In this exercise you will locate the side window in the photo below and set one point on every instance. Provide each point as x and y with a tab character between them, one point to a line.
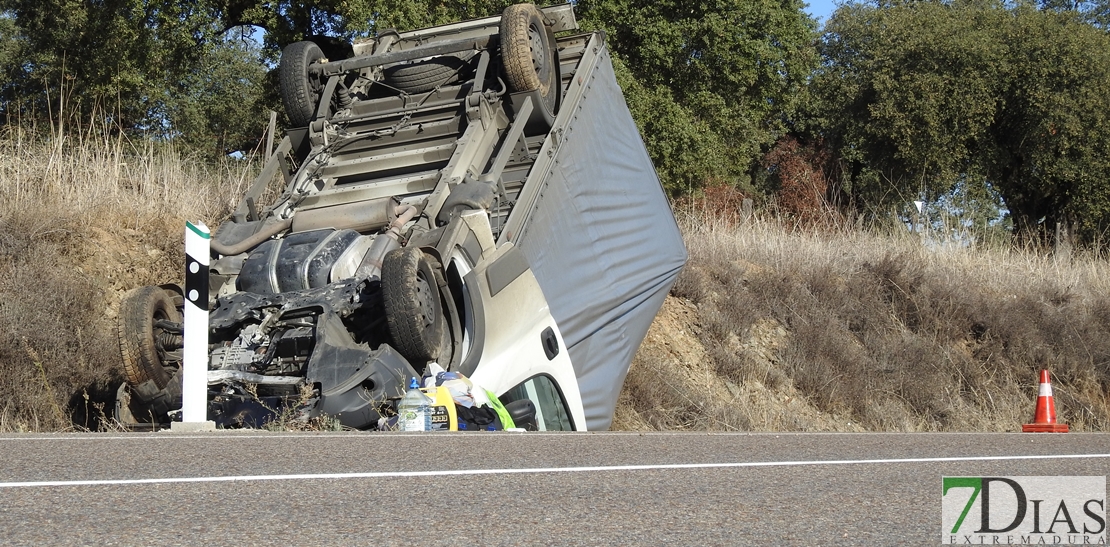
551	410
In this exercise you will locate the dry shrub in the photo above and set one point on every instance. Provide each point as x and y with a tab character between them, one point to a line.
45	355
719	201
82	219
665	399
672	384
802	187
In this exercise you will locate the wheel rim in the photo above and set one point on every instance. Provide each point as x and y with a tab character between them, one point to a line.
425	300
535	44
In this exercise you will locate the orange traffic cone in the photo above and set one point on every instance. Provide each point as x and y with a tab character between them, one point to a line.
1044	421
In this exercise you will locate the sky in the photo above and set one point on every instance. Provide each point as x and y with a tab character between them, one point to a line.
821	9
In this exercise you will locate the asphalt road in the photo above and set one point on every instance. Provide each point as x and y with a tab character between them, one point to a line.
505	489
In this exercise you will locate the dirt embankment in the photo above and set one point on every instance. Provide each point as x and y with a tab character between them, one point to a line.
771	329
123	259
81	221
674	384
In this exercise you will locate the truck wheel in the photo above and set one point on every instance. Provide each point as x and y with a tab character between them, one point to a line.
140	342
413	309
300	92
423	76
528	53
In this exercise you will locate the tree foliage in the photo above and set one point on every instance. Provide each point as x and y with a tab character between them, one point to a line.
115	55
1095	12
10	50
1049	147
162	69
919	97
711	84
218	108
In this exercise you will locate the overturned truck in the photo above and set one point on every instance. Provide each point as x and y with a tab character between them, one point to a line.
475	195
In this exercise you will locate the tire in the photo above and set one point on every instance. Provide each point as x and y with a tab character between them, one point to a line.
138	339
426	75
413	306
300	93
528	53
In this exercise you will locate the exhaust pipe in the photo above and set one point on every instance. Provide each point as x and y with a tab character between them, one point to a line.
371	265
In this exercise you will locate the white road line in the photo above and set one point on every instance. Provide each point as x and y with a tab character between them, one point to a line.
465	472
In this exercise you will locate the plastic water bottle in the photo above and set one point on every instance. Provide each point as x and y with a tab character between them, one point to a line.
414	413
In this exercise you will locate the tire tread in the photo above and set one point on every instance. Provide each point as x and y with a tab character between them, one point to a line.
296	89
425	75
399	278
516	56
135	332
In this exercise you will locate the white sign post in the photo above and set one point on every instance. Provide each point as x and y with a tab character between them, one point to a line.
194	373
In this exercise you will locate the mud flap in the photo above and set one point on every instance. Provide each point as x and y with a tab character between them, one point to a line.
356	400
135	415
159	402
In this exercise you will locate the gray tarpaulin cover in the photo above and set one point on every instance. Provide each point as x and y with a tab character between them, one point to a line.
603	243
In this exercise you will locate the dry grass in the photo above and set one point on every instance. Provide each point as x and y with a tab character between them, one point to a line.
845	329
769	328
82	219
108	174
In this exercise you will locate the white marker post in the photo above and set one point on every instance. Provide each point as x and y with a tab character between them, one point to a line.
194	373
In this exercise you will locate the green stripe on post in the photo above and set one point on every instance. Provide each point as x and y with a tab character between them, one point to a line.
197	231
